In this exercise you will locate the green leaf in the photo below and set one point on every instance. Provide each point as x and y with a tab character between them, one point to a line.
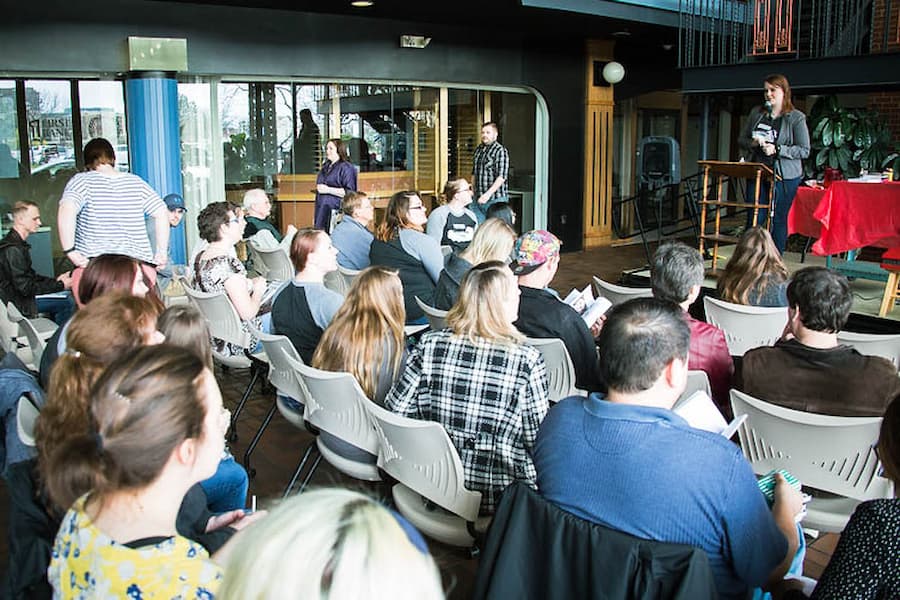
838	134
821	157
827	133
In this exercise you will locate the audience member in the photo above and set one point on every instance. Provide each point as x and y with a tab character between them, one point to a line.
216	269
335	179
481	383
304	307
677	276
755	273
541	312
352	548
866	562
453	224
155	429
177	210
494	240
257	208
401	244
628	462
808	369
365	337
351	236
19	283
504	212
185	327
103	211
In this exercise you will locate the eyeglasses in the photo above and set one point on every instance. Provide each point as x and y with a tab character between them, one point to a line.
233	221
420	207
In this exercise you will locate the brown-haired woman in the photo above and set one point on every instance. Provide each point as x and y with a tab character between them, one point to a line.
755	273
304	307
400	244
453	224
155	428
337	177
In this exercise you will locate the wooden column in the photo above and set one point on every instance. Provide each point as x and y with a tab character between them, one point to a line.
598	149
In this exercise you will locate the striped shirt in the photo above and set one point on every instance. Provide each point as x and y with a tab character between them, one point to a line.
111	213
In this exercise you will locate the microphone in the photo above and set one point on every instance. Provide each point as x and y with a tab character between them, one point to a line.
769	107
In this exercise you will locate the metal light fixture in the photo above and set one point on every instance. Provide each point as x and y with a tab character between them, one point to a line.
613	72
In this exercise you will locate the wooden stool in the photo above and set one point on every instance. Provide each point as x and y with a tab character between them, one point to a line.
891	264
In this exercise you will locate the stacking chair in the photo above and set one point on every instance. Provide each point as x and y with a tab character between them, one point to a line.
35	342
871	344
45	327
340	280
746	327
430	490
696	381
26	416
225	324
832	456
287	383
437	318
617	294
336	404
274	262
560	370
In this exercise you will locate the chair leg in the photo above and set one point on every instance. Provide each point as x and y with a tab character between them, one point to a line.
231	435
309	450
890	294
312	472
251	472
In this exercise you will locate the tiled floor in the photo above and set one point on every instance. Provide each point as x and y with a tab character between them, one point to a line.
282	445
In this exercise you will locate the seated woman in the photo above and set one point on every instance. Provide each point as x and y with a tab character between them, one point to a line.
481	383
352	548
755	274
453	224
366	336
494	240
304	307
217	270
504	212
155	429
401	244
185	326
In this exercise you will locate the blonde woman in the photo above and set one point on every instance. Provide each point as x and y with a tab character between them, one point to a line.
494	240
453	224
331	543
480	382
366	336
755	274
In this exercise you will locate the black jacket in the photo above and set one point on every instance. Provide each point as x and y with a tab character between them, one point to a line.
19	283
534	549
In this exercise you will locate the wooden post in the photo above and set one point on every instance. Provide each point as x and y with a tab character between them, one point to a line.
598	149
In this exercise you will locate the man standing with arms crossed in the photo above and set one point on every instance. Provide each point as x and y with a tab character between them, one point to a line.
490	171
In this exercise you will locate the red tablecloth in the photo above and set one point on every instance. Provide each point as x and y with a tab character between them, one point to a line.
847	216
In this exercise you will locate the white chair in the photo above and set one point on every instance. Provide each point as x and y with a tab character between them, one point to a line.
287	383
336	404
560	370
617	294
746	327
26	416
35	342
225	324
340	280
696	381
45	327
871	344
437	318
430	490
274	262
829	454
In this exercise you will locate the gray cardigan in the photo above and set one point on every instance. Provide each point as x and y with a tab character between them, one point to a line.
792	142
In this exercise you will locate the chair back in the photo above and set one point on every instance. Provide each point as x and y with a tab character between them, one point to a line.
560	370
871	344
832	454
437	318
746	327
275	262
282	374
35	341
221	317
339	281
420	455
336	404
26	416
617	294
696	381
8	330
446	251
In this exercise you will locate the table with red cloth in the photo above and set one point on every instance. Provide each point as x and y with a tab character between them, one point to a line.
847	215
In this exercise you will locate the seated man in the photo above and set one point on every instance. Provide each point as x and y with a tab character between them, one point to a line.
677	276
19	283
807	369
541	312
257	208
628	462
351	236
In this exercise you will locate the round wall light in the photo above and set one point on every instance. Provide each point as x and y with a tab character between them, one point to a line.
613	72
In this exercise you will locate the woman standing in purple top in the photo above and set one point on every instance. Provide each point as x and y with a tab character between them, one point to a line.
337	177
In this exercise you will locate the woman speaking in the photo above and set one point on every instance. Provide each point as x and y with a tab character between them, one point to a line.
776	135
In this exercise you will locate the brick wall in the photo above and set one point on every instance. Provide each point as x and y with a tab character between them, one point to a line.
888	106
879	23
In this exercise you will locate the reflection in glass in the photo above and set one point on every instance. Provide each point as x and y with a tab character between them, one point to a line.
9	131
201	180
103	115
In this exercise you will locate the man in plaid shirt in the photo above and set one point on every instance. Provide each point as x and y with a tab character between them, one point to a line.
490	171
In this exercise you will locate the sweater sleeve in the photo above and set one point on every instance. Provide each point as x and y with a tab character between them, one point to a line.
423	248
403	399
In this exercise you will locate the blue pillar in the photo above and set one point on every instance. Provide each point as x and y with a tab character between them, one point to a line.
154	144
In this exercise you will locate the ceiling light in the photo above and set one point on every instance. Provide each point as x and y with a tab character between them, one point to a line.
362	3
